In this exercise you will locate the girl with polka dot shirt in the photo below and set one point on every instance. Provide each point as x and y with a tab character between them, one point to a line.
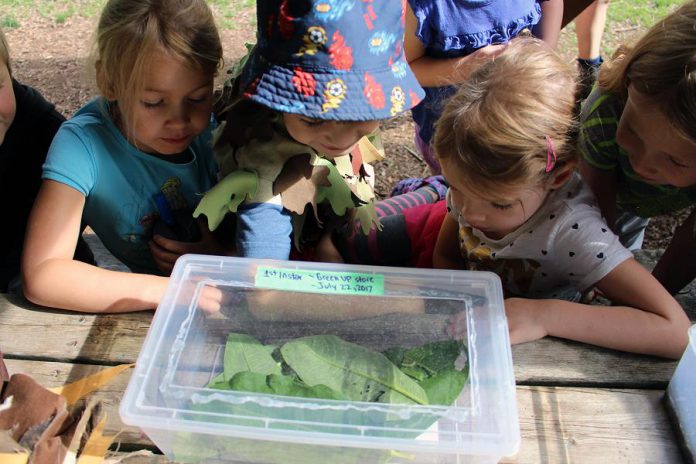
517	208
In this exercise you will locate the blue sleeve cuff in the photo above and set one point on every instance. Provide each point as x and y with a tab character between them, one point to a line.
264	230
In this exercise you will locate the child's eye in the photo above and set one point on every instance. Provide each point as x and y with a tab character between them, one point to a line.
501	205
150	104
676	162
313	122
198	100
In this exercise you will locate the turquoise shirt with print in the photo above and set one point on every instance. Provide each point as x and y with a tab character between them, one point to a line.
119	182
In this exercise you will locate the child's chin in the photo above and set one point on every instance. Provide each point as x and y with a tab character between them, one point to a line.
333	153
333	156
647	180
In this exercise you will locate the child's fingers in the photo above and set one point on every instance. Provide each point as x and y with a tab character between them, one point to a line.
172	246
164	259
456	326
210	300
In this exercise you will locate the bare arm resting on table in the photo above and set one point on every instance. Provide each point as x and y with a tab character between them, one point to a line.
646	319
51	276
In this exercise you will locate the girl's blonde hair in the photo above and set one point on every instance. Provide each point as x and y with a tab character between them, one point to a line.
130	31
662	65
507	116
5	52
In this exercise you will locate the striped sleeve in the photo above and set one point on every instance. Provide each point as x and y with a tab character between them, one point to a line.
599	121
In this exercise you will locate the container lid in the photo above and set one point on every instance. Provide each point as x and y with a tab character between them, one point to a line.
371	306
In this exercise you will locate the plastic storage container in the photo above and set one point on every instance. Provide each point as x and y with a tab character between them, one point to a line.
681	398
276	301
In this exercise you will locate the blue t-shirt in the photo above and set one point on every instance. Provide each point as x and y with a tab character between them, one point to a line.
90	154
456	28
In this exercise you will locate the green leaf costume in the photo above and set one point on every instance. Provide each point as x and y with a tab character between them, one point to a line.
261	163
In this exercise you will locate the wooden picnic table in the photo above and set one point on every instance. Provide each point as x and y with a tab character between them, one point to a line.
577	403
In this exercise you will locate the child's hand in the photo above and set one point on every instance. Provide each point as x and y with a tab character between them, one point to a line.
326	251
525	319
456	326
481	56
166	251
210	301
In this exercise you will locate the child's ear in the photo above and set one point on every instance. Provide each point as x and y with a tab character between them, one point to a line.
563	175
104	85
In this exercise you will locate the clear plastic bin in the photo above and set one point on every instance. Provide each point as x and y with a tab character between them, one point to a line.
681	398
276	301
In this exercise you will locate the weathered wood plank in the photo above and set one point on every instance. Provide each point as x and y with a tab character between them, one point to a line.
39	333
558	424
553	361
566	425
29	331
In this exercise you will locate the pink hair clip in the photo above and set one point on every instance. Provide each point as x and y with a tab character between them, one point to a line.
550	153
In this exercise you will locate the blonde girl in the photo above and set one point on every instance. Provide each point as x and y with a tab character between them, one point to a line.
638	140
138	153
517	208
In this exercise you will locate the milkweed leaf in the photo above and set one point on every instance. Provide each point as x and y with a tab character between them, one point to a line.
245	353
356	372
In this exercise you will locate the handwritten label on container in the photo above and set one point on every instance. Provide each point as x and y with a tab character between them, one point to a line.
344	283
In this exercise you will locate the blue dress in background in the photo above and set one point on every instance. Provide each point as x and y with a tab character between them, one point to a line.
456	28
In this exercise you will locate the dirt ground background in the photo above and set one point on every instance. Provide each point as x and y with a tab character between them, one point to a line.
51	58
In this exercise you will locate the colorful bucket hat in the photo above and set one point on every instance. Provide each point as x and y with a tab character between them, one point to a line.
331	59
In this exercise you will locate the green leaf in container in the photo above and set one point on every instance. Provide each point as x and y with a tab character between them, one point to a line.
275	384
219	382
395	354
430	359
289	386
189	448
356	372
444	388
250	382
245	353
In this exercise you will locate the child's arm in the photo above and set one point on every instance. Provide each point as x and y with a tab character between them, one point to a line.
326	250
677	266
435	72
648	320
549	27
603	185
273	305
53	278
447	254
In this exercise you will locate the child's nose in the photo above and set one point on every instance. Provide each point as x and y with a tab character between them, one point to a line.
343	138
471	212
348	134
474	216
642	162
179	115
366	128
